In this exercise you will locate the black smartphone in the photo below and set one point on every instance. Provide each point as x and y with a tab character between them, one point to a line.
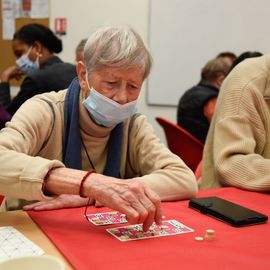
229	212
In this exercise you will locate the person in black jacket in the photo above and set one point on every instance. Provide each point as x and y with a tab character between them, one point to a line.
197	105
34	46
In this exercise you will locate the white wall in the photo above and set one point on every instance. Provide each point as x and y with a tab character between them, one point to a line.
185	34
84	16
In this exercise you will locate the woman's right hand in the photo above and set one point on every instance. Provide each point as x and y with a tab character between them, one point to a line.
131	197
12	72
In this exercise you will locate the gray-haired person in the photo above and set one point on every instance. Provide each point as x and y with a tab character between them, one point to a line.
85	140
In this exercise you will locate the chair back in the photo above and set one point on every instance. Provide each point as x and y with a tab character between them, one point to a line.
182	143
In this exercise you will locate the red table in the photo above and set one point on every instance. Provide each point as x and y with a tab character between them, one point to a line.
89	247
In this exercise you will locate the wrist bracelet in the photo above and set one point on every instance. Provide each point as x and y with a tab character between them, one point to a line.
43	188
82	182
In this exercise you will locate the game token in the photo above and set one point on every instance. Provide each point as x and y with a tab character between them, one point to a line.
199	238
209	234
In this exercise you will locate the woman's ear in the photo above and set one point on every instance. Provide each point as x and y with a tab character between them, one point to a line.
38	47
220	80
81	72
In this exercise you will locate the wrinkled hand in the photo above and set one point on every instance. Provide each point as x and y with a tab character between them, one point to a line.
12	72
61	201
133	198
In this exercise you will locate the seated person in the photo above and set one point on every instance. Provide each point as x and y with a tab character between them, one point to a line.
197	105
245	55
79	50
34	46
85	140
237	148
230	57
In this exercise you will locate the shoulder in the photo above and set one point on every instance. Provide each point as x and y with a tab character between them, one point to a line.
54	70
198	95
40	105
249	80
252	71
138	125
53	67
56	98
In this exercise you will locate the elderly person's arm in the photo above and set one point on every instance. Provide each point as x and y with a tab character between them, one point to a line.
23	172
133	198
160	169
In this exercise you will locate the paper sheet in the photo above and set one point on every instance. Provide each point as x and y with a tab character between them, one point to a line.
14	244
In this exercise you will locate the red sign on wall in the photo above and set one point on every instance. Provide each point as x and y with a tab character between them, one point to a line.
60	26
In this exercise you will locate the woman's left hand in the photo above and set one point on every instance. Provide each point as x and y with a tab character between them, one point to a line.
61	201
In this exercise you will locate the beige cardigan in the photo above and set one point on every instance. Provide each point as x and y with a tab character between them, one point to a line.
237	149
31	145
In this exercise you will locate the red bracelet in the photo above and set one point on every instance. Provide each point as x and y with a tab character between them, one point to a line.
82	182
43	188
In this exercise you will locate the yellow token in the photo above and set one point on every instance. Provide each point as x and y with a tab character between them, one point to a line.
199	238
210	231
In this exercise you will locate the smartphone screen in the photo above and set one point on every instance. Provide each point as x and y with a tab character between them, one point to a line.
229	212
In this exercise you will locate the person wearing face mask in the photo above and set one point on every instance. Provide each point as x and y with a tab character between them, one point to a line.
34	46
87	141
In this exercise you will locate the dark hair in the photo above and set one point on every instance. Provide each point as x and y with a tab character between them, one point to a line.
30	33
227	54
81	44
245	55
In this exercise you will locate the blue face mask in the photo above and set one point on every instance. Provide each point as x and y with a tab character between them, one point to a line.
26	65
105	111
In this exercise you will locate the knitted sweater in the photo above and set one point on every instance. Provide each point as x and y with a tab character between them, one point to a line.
31	144
237	149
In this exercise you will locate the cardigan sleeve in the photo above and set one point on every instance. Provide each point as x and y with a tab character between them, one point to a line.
21	169
163	171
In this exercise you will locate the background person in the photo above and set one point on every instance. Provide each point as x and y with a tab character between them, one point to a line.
93	126
237	148
228	56
197	105
245	55
79	50
34	46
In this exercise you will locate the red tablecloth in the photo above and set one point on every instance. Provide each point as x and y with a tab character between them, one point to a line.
89	247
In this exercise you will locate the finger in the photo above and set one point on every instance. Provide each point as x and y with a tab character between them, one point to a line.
44	205
30	206
133	197
157	202
124	207
151	211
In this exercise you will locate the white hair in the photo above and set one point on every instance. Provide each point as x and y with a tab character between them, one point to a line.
116	47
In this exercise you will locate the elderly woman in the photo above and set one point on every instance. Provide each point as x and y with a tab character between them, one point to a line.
84	140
